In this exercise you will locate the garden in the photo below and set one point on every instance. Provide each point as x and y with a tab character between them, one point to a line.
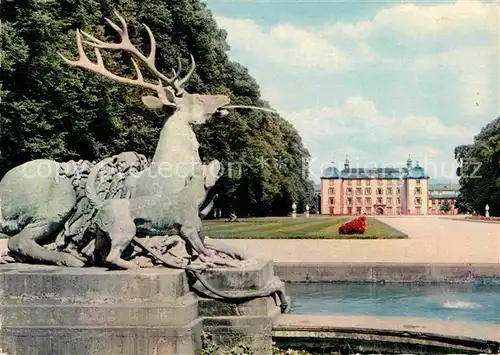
341	227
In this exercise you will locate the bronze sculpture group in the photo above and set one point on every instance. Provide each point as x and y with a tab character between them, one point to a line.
125	212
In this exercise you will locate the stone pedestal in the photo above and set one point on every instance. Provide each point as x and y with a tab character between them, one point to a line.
61	311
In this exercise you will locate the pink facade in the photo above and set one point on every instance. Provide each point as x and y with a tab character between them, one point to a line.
436	203
375	191
374	196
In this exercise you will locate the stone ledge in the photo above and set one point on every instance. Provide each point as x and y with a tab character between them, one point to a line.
406	334
387	272
103	341
254	276
169	313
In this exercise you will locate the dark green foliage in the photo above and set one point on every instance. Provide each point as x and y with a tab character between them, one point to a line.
480	172
51	110
445	206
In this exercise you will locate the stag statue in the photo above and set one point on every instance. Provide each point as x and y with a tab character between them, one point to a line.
169	193
163	198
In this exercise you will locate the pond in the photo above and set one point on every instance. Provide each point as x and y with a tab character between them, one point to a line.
458	302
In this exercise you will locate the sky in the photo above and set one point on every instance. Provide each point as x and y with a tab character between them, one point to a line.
376	81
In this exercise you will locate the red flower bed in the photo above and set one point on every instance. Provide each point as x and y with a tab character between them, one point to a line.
356	226
497	219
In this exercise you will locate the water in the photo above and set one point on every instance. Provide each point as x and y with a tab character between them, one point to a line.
459	302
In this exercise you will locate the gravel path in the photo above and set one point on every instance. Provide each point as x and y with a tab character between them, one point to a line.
431	240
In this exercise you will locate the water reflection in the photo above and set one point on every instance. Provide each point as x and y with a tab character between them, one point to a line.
467	302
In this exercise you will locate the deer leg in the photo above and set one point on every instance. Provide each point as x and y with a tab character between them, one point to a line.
25	244
208	256
191	235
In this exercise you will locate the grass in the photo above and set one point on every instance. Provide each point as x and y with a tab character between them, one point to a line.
299	228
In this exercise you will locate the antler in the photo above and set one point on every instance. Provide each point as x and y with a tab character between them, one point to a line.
175	83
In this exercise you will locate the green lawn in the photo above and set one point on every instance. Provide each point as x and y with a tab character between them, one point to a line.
299	228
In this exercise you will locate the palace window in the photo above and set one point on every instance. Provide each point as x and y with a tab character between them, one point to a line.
349	210
398	201
349	191
358	182
359	191
331	210
418	201
368	183
349	201
331	191
332	201
418	190
358	200
358	210
368	200
389	210
368	210
389	190
331	182
417	182
349	183
398	190
380	182
434	202
389	200
379	191
368	190
379	200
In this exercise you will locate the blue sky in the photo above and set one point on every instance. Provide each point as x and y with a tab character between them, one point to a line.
374	80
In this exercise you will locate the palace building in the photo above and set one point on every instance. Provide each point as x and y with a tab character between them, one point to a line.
375	191
441	195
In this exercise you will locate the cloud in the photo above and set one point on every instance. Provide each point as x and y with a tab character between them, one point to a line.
284	44
430	72
357	128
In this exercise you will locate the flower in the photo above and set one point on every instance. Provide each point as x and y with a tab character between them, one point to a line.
484	218
356	226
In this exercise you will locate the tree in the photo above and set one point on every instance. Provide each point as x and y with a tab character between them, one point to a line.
445	206
51	110
480	171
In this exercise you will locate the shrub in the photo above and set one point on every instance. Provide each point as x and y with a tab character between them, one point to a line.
356	226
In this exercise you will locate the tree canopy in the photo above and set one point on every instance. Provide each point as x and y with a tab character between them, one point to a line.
480	171
51	110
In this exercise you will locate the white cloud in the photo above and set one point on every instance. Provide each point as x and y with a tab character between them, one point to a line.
360	117
284	44
424	61
359	129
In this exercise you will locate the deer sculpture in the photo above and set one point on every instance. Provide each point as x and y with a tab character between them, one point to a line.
169	193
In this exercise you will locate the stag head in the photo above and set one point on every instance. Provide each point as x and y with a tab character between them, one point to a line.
170	91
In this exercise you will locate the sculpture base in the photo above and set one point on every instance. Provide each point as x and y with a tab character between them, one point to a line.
55	310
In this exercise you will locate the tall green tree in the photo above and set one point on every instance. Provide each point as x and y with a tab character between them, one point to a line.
51	110
480	171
